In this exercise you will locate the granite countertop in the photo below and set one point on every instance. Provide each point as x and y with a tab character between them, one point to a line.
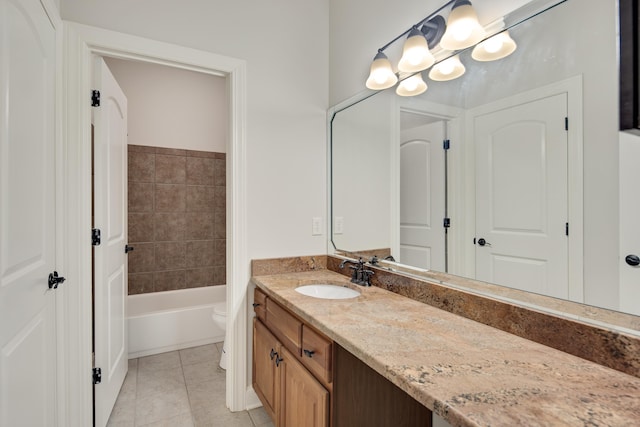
466	372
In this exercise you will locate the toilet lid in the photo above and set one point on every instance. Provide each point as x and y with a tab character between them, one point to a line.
220	308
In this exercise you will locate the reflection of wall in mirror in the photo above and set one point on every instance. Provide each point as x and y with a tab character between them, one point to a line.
361	174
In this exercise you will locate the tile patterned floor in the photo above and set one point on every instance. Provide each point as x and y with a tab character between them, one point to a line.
184	388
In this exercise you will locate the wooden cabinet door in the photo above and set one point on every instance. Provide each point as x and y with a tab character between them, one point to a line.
265	348
303	400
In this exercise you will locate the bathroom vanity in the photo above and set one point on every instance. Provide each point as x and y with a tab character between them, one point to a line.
305	379
385	355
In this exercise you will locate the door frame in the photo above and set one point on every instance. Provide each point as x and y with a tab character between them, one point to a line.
454	117
81	43
575	182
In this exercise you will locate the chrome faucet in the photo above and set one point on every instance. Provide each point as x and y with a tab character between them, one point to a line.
360	274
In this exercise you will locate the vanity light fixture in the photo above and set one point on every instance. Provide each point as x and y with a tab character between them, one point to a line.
449	69
416	55
412	86
463	28
381	75
497	47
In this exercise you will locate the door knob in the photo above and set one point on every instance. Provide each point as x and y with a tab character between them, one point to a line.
632	260
483	242
55	280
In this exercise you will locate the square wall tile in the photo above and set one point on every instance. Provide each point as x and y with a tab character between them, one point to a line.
198	277
200	171
169	226
219	275
140	197
170	256
199	226
169	280
220	174
200	198
200	253
141	166
140	283
141	227
142	259
170	198
170	169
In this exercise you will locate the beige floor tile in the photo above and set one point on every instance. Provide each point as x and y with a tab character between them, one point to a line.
154	382
124	411
219	346
121	423
156	407
170	360
129	386
259	417
203	371
204	353
183	388
207	394
133	364
205	417
184	420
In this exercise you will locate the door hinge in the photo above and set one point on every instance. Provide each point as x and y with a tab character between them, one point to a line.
97	375
446	144
566	228
566	123
95	237
95	98
447	223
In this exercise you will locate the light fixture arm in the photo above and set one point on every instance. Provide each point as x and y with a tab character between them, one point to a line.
423	22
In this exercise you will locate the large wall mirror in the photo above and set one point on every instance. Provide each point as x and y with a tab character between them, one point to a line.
526	195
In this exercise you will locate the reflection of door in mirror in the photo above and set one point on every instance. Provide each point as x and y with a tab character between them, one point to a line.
521	195
422	191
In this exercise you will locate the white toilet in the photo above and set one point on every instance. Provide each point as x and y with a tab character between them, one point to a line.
220	319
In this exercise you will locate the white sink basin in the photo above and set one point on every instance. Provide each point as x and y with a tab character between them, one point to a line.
326	291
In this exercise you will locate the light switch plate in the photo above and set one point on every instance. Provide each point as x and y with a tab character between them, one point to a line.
316	226
338	225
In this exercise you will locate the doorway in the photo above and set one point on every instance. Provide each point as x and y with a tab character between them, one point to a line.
423	191
82	43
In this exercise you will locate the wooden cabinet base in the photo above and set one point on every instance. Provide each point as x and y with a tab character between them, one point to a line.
364	398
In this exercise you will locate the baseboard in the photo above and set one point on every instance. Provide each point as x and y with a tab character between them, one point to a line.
251	398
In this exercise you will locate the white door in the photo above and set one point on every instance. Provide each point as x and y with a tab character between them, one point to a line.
422	196
110	198
629	225
521	196
28	332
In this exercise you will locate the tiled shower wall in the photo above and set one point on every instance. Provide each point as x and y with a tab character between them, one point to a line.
177	201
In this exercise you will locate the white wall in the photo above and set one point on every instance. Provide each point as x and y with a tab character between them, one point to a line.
362	172
173	108
285	44
353	47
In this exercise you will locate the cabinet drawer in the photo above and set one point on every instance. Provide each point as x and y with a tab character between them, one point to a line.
316	353
286	327
260	304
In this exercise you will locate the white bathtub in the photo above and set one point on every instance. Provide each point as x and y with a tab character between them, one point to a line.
172	320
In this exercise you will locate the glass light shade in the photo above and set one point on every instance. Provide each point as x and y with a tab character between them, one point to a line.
496	47
449	69
463	28
381	75
412	86
415	54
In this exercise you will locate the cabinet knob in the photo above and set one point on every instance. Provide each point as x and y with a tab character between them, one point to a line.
278	360
308	353
256	304
272	354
